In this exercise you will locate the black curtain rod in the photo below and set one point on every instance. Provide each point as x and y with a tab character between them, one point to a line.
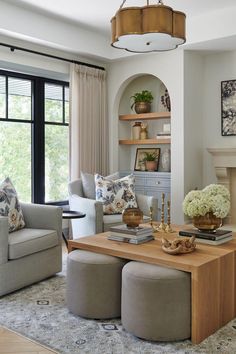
13	47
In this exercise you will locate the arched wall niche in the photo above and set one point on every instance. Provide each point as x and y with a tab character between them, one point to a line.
138	82
123	102
169	68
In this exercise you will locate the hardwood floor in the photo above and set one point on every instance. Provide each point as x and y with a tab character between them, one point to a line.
13	343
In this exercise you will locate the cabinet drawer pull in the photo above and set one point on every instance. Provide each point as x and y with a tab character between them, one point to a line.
158	182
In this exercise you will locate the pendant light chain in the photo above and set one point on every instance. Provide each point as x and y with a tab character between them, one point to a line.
160	2
122	4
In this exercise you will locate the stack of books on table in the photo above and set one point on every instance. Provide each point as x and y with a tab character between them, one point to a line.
135	235
211	238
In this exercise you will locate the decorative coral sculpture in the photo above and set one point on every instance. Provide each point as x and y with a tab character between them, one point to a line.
179	245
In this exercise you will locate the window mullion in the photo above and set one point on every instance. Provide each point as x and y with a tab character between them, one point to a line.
38	142
63	103
6	82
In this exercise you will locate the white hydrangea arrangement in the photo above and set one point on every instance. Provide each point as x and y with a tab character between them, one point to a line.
214	198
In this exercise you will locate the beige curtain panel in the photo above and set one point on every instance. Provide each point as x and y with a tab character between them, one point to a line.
88	121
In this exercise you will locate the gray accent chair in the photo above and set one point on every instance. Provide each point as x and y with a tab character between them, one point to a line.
32	253
95	221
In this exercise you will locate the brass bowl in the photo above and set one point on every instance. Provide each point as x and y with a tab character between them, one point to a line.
208	222
142	107
132	217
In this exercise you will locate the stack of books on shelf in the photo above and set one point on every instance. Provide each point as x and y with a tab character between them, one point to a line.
163	135
135	235
211	238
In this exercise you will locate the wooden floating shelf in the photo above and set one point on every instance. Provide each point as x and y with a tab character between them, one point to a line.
144	141
145	116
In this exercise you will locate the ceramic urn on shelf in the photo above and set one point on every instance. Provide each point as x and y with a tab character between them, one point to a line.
136	129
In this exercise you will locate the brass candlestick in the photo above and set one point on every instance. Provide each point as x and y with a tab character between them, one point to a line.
168	226
154	228
151	216
162	225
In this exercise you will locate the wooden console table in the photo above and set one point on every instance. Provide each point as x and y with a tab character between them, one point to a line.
212	268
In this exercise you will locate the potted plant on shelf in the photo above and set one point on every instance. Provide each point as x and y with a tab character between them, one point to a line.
142	101
151	159
207	207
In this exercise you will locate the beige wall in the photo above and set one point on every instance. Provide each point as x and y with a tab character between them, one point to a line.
217	68
193	120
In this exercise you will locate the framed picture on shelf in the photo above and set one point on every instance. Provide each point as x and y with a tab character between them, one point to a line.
228	107
147	159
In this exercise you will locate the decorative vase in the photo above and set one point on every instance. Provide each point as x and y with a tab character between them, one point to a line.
208	222
142	107
132	217
143	132
151	165
165	160
136	128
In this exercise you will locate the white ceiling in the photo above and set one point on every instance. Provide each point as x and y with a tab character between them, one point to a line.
83	28
97	14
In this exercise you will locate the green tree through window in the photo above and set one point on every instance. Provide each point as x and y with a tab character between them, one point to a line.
15	156
34	136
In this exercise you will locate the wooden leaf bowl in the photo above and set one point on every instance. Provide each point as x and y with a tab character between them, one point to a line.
179	245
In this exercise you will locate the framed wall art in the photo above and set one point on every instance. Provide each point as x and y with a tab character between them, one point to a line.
228	107
144	155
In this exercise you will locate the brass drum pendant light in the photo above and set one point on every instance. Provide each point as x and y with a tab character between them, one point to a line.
148	29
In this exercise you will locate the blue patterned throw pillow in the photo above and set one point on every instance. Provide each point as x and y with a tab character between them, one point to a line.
10	206
116	195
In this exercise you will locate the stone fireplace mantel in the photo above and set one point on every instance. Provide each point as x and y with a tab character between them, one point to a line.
224	157
224	161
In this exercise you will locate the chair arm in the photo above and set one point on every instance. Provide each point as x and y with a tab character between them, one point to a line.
39	216
145	202
3	239
93	221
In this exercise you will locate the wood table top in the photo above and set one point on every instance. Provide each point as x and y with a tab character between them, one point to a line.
151	252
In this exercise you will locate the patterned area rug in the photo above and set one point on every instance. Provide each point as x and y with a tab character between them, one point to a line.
40	313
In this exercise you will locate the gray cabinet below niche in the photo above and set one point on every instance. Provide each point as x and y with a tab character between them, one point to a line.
153	184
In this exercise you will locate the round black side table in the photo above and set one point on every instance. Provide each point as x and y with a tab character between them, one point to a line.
68	215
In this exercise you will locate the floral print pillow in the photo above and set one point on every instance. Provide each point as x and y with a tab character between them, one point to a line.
10	206
116	195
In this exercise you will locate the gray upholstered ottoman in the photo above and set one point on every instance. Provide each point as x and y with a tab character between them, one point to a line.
156	302
94	284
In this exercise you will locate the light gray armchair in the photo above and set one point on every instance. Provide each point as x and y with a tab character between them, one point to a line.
32	253
95	221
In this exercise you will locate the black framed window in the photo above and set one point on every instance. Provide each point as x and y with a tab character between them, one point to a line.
34	136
